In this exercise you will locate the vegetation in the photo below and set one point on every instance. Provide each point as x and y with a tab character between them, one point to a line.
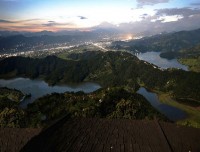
193	112
184	45
112	103
168	42
10	94
10	114
13	117
193	63
104	103
189	57
108	69
169	55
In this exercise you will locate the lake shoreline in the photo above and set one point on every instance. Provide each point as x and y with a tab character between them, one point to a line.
193	118
38	88
173	113
153	57
193	113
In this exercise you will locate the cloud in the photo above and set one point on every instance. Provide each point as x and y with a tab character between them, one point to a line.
186	12
165	19
171	19
196	4
19	21
5	21
144	16
50	24
82	17
51	21
54	24
141	3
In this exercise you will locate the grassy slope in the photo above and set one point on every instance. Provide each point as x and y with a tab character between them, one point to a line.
193	63
191	58
193	118
11	94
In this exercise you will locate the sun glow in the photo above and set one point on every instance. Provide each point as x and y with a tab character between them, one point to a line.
129	37
126	37
55	15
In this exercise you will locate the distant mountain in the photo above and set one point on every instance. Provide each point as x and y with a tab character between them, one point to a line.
98	29
21	43
18	41
38	33
163	42
9	33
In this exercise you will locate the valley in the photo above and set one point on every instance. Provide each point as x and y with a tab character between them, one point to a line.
109	69
98	76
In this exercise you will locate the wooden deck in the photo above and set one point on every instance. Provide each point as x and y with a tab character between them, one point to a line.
104	135
13	139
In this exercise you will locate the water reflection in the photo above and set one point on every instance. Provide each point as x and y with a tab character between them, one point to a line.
39	88
154	58
170	112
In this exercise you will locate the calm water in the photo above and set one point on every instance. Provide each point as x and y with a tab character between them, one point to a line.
39	88
170	112
154	58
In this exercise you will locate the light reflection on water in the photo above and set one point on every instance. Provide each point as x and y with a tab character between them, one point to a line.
170	112
154	58
39	88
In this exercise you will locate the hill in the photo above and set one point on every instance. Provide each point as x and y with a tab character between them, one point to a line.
188	56
112	103
168	42
108	69
10	114
111	70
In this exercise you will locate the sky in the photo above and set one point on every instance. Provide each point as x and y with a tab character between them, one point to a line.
126	15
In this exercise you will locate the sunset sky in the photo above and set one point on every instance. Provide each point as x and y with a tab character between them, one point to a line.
55	15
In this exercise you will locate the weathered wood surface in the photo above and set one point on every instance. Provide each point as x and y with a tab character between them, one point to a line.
13	139
106	135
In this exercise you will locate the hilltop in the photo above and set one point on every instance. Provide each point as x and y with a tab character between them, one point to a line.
167	42
109	69
106	68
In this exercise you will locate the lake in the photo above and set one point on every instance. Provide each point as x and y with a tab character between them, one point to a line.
154	58
39	88
170	112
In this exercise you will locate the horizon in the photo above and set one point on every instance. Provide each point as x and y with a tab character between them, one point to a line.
134	16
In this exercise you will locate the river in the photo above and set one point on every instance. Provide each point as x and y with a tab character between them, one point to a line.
154	58
170	112
39	88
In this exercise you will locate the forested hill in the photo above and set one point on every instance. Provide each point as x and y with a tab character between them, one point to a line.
108	69
162	42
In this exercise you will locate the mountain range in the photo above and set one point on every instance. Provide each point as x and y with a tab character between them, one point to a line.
164	42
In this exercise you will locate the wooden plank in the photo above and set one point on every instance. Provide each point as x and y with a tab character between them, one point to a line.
99	135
